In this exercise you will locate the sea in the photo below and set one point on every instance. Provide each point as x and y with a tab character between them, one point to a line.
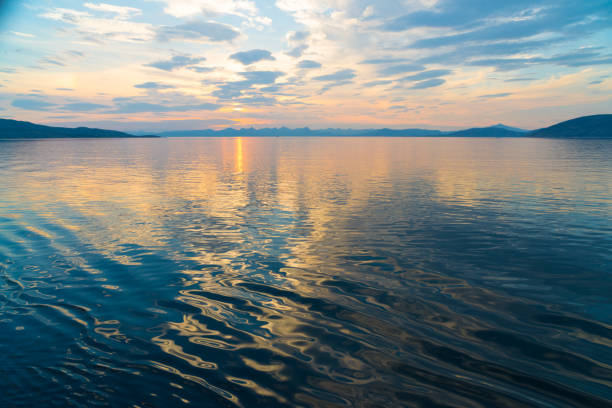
306	272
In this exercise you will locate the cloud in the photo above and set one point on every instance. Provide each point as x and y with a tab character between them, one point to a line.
261	77
32	104
399	108
400	69
20	34
153	85
201	70
186	8
230	90
176	62
341	75
82	107
520	80
297	52
578	58
252	56
245	9
52	61
122	12
144	107
331	85
235	89
529	20
496	95
271	89
494	33
199	31
117	27
500	34
257	100
297	40
431	83
389	60
338	78
308	64
297	36
64	89
376	83
455	13
434	73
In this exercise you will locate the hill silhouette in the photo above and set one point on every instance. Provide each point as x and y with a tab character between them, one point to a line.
595	127
15	129
491	131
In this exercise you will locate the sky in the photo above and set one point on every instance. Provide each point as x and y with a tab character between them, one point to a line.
155	65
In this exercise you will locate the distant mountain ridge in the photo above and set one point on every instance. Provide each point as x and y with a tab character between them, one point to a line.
491	131
283	131
15	129
514	129
595	126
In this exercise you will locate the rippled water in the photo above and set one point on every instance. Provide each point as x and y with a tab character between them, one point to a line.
306	272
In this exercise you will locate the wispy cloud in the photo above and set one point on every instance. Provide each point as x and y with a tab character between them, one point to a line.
579	58
309	64
252	56
434	73
25	35
201	70
187	8
117	26
145	107
389	60
297	51
153	85
176	62
430	83
122	12
341	75
297	40
236	89
377	83
82	107
32	104
199	31
399	69
496	95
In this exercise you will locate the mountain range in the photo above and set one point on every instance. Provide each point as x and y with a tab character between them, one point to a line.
595	126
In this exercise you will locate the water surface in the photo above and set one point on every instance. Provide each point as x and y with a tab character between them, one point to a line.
324	272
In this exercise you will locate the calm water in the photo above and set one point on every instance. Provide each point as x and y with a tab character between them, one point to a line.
306	272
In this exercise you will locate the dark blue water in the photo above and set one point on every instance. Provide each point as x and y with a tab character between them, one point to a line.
348	272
